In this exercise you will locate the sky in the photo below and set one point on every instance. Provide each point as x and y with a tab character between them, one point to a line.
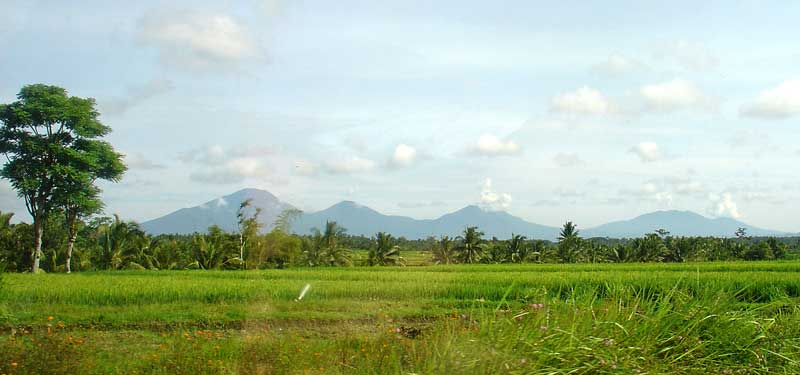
552	111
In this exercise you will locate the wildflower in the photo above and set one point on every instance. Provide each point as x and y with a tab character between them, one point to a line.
50	318
543	328
13	364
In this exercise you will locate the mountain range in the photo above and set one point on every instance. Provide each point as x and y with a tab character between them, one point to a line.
362	220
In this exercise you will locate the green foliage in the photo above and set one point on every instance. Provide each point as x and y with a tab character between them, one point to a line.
570	244
384	252
470	245
444	251
54	154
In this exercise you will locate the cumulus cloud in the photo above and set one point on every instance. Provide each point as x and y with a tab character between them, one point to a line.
780	102
403	156
584	101
136	94
350	165
493	200
675	95
722	205
566	160
617	65
647	151
490	145
218	165
689	55
137	160
196	40
230	172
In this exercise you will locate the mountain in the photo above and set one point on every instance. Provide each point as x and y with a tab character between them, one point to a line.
220	211
362	220
678	223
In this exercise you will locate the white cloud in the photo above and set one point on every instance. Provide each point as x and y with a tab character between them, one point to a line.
493	200
584	101
221	202
490	145
403	156
779	102
137	160
654	192
617	65
723	206
230	172
566	160
690	55
350	165
136	94
306	168
647	151
196	40
675	95
567	192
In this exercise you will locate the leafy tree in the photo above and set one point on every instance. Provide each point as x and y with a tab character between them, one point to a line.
649	248
248	225
115	240
443	251
285	219
51	143
385	251
470	247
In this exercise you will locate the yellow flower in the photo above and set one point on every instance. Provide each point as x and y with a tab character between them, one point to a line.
13	364
50	318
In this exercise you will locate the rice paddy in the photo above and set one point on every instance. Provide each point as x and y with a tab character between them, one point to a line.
732	317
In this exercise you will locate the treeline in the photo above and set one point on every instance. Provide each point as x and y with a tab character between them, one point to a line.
109	243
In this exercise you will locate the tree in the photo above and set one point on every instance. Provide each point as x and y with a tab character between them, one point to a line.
385	251
248	225
115	240
285	219
323	248
443	252
569	243
469	246
516	248
52	149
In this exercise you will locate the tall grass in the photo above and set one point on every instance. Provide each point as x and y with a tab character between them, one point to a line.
721	318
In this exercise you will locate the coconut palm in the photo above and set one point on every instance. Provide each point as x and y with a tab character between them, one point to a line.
516	249
115	239
323	248
469	246
569	243
385	251
443	251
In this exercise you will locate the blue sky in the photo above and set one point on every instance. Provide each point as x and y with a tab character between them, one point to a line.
553	112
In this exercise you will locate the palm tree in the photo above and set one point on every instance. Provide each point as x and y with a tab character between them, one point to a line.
469	245
385	251
569	243
323	247
516	248
443	251
114	240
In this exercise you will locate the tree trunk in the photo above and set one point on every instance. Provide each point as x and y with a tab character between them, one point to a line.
71	241
37	243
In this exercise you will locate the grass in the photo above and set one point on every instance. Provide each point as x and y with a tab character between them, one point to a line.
733	317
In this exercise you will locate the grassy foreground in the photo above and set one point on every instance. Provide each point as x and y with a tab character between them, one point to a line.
721	318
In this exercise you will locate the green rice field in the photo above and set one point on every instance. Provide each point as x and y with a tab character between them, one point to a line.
719	318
